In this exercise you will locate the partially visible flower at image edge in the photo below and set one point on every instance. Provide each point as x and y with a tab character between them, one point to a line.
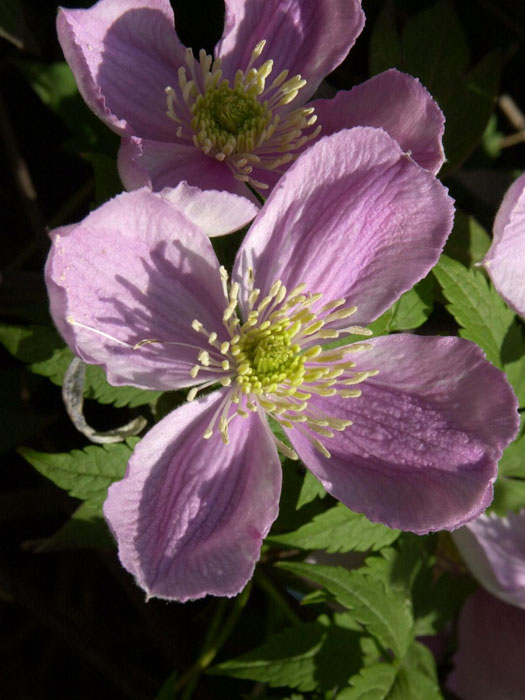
488	663
505	260
399	427
240	116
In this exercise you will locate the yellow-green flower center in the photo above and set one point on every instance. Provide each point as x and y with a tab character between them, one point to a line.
226	111
267	358
273	360
243	123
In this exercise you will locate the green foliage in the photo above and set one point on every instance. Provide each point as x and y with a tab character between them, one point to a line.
312	488
468	241
384	612
338	530
84	474
410	311
433	47
45	353
55	85
311	655
415	679
484	318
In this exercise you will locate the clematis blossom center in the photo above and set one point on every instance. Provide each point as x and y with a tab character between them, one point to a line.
243	123
273	361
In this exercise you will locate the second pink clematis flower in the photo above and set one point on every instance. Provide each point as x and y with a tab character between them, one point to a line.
398	427
238	117
505	260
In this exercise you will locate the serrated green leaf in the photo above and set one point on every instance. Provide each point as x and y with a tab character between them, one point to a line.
44	351
86	473
385	613
312	488
97	388
415	679
338	530
308	656
484	318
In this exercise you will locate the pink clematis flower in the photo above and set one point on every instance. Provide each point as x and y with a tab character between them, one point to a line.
240	116
494	550
398	427
488	664
504	260
491	634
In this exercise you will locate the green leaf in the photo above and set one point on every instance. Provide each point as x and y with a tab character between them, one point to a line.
385	613
97	388
311	489
308	656
385	46
338	530
469	109
434	48
512	462
55	84
410	311
87	473
484	318
86	529
43	349
468	241
383	682
509	494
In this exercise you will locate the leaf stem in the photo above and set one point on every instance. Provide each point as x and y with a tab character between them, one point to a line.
217	634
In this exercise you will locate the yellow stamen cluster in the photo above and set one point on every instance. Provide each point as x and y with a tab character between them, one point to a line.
240	123
273	362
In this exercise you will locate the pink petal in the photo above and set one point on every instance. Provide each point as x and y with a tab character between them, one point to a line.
400	105
215	213
190	514
156	164
354	217
494	550
489	661
423	449
505	260
136	269
123	54
306	38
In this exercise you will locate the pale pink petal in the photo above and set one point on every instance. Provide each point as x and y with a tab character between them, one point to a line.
423	449
156	164
505	261
216	213
190	515
354	217
488	664
306	38
494	550
396	102
136	269
124	53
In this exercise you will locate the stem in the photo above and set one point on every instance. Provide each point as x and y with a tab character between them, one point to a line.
264	582
214	641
